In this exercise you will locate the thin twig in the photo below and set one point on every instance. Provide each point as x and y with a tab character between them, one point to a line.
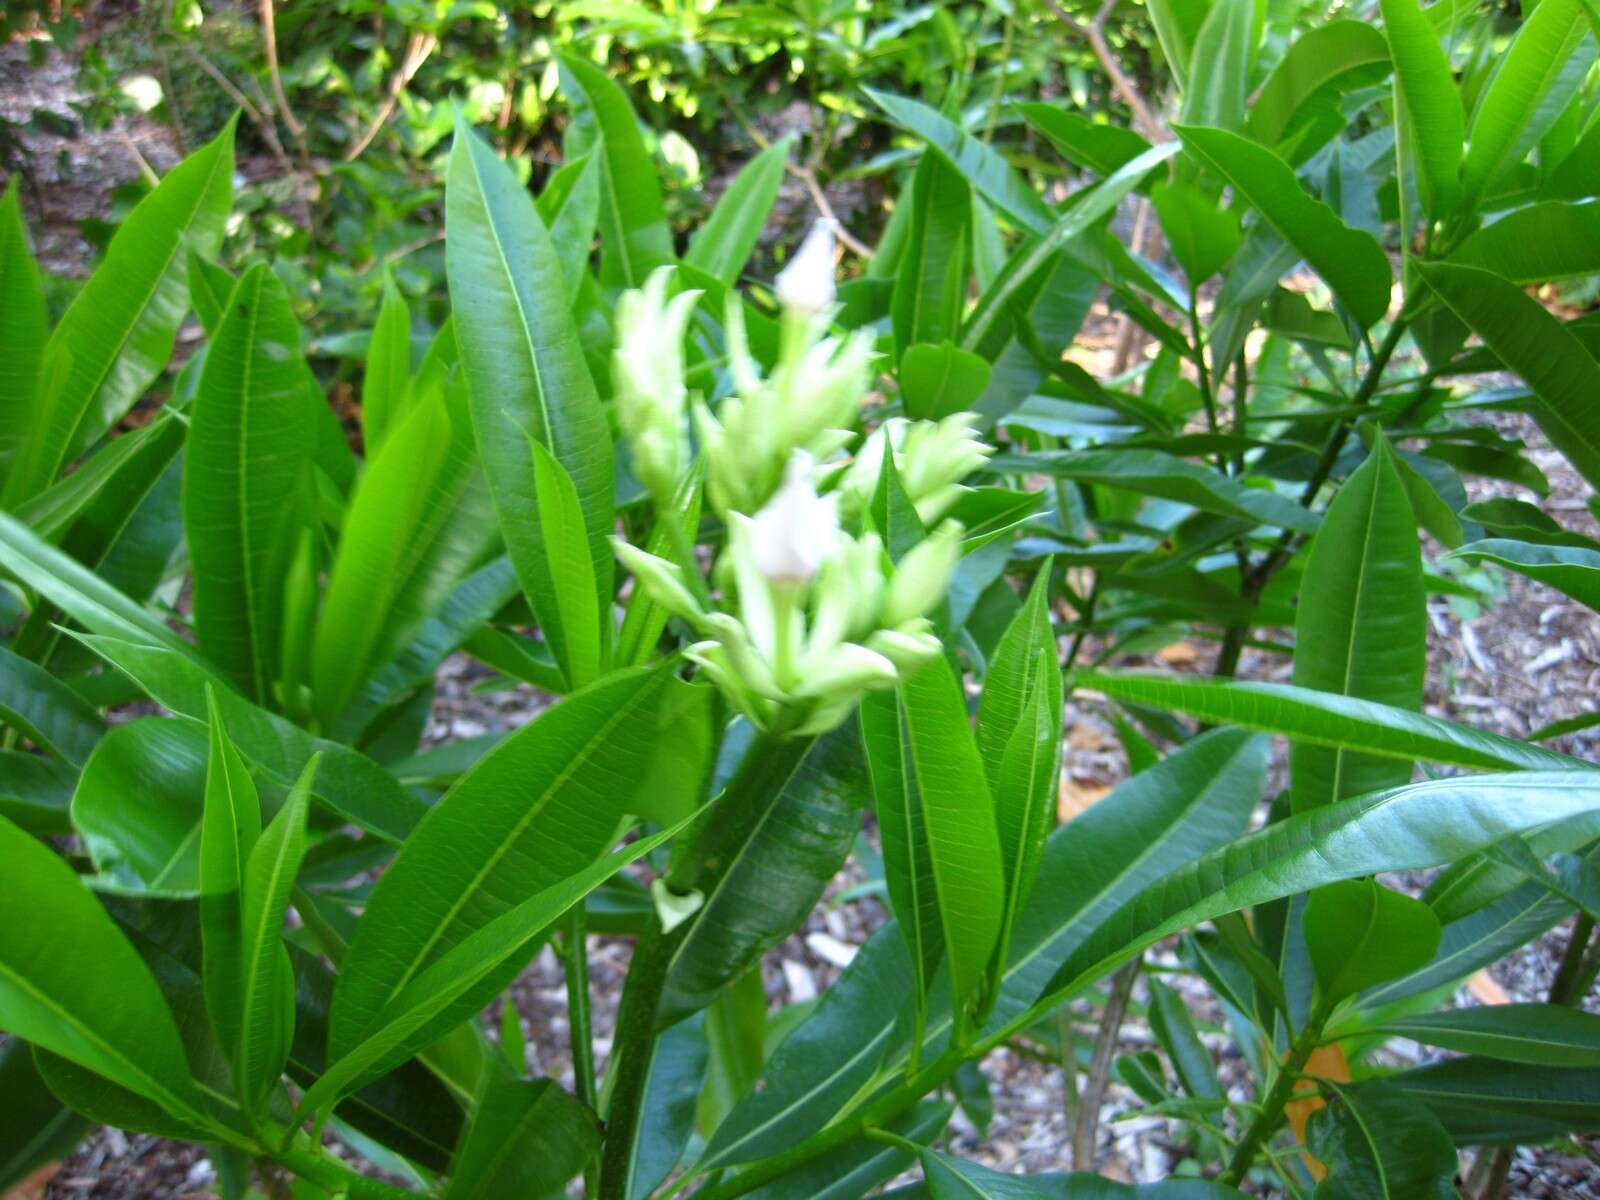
417	50
1127	91
269	41
1086	1121
846	239
268	133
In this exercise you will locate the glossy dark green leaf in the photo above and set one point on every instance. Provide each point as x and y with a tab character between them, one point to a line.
773	877
1349	260
931	285
1361	617
951	1178
1408	828
46	711
1378	1143
35	1128
538	809
1174	1029
1570	569
724	243
117	336
24	326
387	378
677	1078
580	622
465	978
1426	90
35	791
1484	1100
1359	933
71	984
266	979
1153	473
1327	720
1550	1035
1534	344
860	1165
153	844
635	238
525	368
527	1138
245	470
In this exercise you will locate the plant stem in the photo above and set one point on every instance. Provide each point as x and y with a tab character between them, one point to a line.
1564	990
1272	1115
581	1024
706	851
333	1176
1086	1120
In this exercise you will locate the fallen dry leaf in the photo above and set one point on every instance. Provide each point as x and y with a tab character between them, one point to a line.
1077	796
1486	990
1178	654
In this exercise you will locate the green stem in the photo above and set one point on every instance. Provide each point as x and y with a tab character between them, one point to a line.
581	1023
333	1176
703	855
1272	1115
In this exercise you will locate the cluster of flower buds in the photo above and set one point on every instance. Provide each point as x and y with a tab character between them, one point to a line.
930	457
810	616
822	617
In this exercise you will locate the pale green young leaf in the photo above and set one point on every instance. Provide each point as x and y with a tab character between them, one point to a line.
388	372
1431	103
724	243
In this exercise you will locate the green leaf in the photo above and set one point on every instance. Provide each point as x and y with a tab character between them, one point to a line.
677	1078
116	337
951	1178
1359	933
861	1164
229	827
1153	473
387	378
46	711
634	236
210	288
1202	235
539	808
1536	244
36	792
349	783
1327	720
1569	569
1521	521
1219	66
1550	1035
724	242
982	166
525	370
1349	260
35	1128
527	1138
463	979
71	984
1177	24
1103	149
1511	103
937	381
153	845
931	285
773	877
1361	623
1425	87
1482	1100
1534	344
1410	828
24	326
931	770
245	471
266	979
1379	1143
580	622
569	206
1173	1027
1320	66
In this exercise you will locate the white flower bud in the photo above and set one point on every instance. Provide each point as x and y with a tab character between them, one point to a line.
806	286
647	368
923	575
848	669
661	580
796	531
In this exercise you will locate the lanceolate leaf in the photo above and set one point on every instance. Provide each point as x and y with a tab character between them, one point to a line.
931	284
246	469
1378	1143
1408	828
24	325
1431	104
542	806
774	878
1483	1100
1319	67
46	711
723	245
116	337
266	979
1537	243
527	1138
1328	720
1534	344
525	367
1550	1035
1361	624
633	220
1219	66
1350	260
388	373
579	622
70	983
1570	569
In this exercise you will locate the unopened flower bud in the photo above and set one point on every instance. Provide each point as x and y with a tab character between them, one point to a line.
806	286
920	580
661	580
794	533
647	368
